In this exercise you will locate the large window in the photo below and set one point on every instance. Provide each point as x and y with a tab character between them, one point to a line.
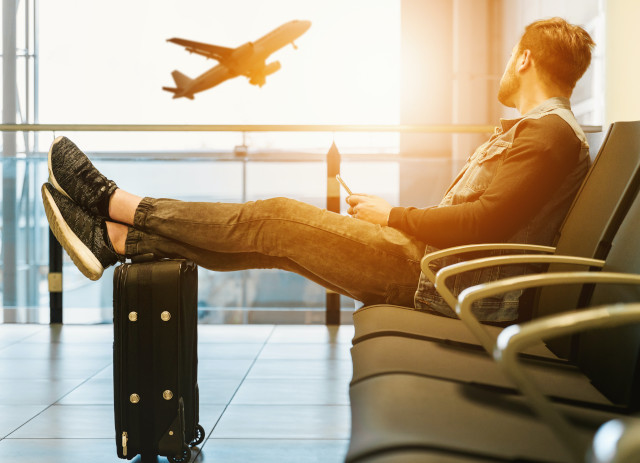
107	64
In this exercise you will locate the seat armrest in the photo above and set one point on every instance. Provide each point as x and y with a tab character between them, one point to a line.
428	258
470	295
517	337
455	269
514	338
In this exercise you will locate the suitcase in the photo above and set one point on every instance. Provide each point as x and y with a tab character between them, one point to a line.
155	359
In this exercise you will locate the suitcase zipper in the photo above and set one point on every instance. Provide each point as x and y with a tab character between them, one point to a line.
122	332
123	358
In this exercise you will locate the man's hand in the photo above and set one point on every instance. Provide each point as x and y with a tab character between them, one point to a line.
369	208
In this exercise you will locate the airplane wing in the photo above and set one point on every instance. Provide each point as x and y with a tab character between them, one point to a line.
204	49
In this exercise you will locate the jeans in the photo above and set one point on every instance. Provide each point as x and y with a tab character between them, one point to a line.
366	262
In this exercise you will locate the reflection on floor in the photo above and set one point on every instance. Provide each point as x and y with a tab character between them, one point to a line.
267	393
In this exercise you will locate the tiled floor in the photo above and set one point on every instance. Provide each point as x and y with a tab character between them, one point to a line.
268	393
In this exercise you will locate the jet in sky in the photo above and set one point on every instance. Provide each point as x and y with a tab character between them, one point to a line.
247	60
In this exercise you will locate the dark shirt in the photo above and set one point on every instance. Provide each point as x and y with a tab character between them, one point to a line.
517	187
543	154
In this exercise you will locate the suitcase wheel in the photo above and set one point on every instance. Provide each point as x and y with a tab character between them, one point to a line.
199	437
184	458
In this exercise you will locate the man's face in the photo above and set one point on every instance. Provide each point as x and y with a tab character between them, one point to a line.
510	82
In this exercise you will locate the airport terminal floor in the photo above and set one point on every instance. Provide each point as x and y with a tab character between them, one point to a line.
267	393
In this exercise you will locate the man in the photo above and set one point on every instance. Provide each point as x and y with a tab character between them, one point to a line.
516	187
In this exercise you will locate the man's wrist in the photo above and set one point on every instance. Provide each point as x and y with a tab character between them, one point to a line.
395	217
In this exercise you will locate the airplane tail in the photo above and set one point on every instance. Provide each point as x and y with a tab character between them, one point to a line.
180	79
182	83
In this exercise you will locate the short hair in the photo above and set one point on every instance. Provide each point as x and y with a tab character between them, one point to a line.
561	51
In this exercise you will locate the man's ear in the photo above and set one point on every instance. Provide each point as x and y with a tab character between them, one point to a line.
524	61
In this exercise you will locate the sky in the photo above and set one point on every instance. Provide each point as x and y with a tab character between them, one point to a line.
105	62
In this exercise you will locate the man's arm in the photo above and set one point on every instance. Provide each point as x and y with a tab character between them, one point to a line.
543	154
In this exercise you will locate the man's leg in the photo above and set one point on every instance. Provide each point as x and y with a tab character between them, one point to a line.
368	262
220	261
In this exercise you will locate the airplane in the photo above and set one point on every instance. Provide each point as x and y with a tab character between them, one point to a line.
247	60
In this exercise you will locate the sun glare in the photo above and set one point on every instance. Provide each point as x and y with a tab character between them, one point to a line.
108	63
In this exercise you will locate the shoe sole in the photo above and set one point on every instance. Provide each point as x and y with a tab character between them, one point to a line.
80	254
52	178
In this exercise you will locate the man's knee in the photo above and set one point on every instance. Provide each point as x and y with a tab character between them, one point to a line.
283	207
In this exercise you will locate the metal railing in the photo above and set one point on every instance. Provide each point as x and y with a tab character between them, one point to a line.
444	128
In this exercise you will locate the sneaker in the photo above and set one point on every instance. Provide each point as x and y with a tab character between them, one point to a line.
82	235
72	174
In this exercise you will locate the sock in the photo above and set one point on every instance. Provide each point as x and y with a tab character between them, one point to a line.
107	241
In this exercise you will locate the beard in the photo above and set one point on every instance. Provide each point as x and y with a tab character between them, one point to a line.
509	87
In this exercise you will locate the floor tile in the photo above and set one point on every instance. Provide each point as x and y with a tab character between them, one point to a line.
234	333
293	392
329	369
105	373
96	391
229	350
65	451
305	351
65	421
13	332
50	369
274	451
59	450
284	422
223	368
63	351
312	334
35	392
14	416
73	334
217	391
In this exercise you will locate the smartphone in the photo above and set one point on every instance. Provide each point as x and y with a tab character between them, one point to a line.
344	185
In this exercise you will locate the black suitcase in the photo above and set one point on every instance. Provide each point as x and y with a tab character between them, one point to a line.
155	359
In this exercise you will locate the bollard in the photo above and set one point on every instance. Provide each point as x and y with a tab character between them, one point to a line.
55	280
333	204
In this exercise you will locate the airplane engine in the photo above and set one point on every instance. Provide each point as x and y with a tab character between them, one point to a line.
271	68
260	77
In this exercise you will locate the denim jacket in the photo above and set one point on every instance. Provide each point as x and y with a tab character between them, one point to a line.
473	179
